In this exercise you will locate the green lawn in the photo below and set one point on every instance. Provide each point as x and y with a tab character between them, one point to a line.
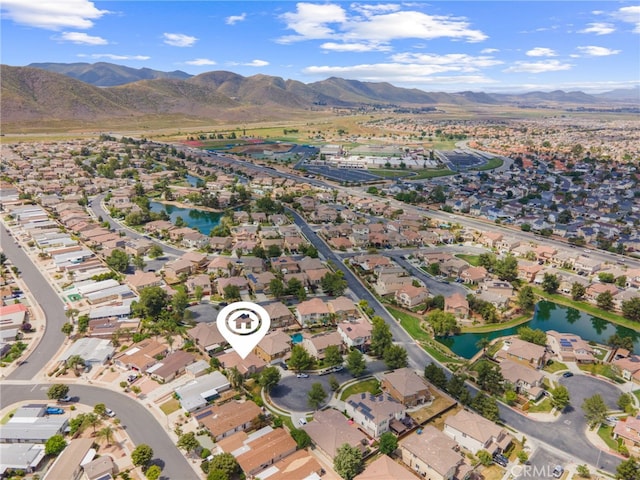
542	407
473	260
389	173
490	165
555	367
422	174
604	370
7	417
604	432
372	386
171	406
492	327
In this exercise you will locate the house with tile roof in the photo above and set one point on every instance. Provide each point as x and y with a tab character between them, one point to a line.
407	387
377	414
476	433
434	455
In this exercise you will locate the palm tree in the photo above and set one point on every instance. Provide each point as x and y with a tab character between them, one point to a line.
106	434
71	313
483	343
92	420
75	361
236	380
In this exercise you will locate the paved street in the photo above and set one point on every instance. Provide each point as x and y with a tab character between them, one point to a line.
136	419
50	303
291	392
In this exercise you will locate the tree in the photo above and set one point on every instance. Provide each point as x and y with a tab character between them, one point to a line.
455	386
511	397
486	406
523	456
316	396
395	357
276	287
616	341
138	262
302	438
118	260
628	470
631	309
217	474
550	283
155	251
443	323
436	375
528	334
484	458
625	403
225	462
231	292
300	358
153	472
604	300
236	379
381	337
332	356
507	268
92	420
333	284
490	377
142	455
595	410
188	442
106	434
55	445
483	343
67	329
348	461
560	398
151	303
577	291
269	378
583	471
100	409
75	361
355	363
57	391
526	298
333	383
388	443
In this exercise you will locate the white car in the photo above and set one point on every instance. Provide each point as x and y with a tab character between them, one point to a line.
302	421
302	375
109	413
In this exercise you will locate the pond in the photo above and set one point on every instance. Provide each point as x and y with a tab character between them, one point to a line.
548	316
201	220
193	181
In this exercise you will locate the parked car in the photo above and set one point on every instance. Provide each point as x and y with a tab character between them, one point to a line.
567	374
54	411
338	368
284	366
302	375
557	471
132	378
501	460
64	399
302	421
109	413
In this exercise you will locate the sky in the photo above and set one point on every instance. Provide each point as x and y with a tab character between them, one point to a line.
500	46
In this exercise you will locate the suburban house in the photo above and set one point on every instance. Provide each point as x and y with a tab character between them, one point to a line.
312	311
407	387
343	308
356	334
226	419
330	429
274	347
207	337
279	314
263	448
300	464
249	365
316	345
197	393
31	424
457	304
524	352
569	347
629	367
629	430
140	280
171	366
383	468
409	296
526	380
476	433
377	414
433	455
142	355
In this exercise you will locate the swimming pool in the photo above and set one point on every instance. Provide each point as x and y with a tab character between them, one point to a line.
296	338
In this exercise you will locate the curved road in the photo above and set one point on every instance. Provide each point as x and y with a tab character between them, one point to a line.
139	423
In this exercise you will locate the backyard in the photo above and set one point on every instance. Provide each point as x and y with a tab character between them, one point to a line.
371	385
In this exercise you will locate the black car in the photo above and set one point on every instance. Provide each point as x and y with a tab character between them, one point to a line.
501	460
567	374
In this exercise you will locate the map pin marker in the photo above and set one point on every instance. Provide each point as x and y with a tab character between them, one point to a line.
243	325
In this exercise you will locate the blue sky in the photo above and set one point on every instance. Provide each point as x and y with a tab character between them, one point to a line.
434	46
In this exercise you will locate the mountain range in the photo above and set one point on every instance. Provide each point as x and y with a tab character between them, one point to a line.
92	92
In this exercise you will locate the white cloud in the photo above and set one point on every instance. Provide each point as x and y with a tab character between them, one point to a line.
179	39
380	25
541	52
599	28
252	63
487	51
538	67
368	10
82	38
233	19
112	56
355	47
592	51
52	15
198	62
629	15
453	61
